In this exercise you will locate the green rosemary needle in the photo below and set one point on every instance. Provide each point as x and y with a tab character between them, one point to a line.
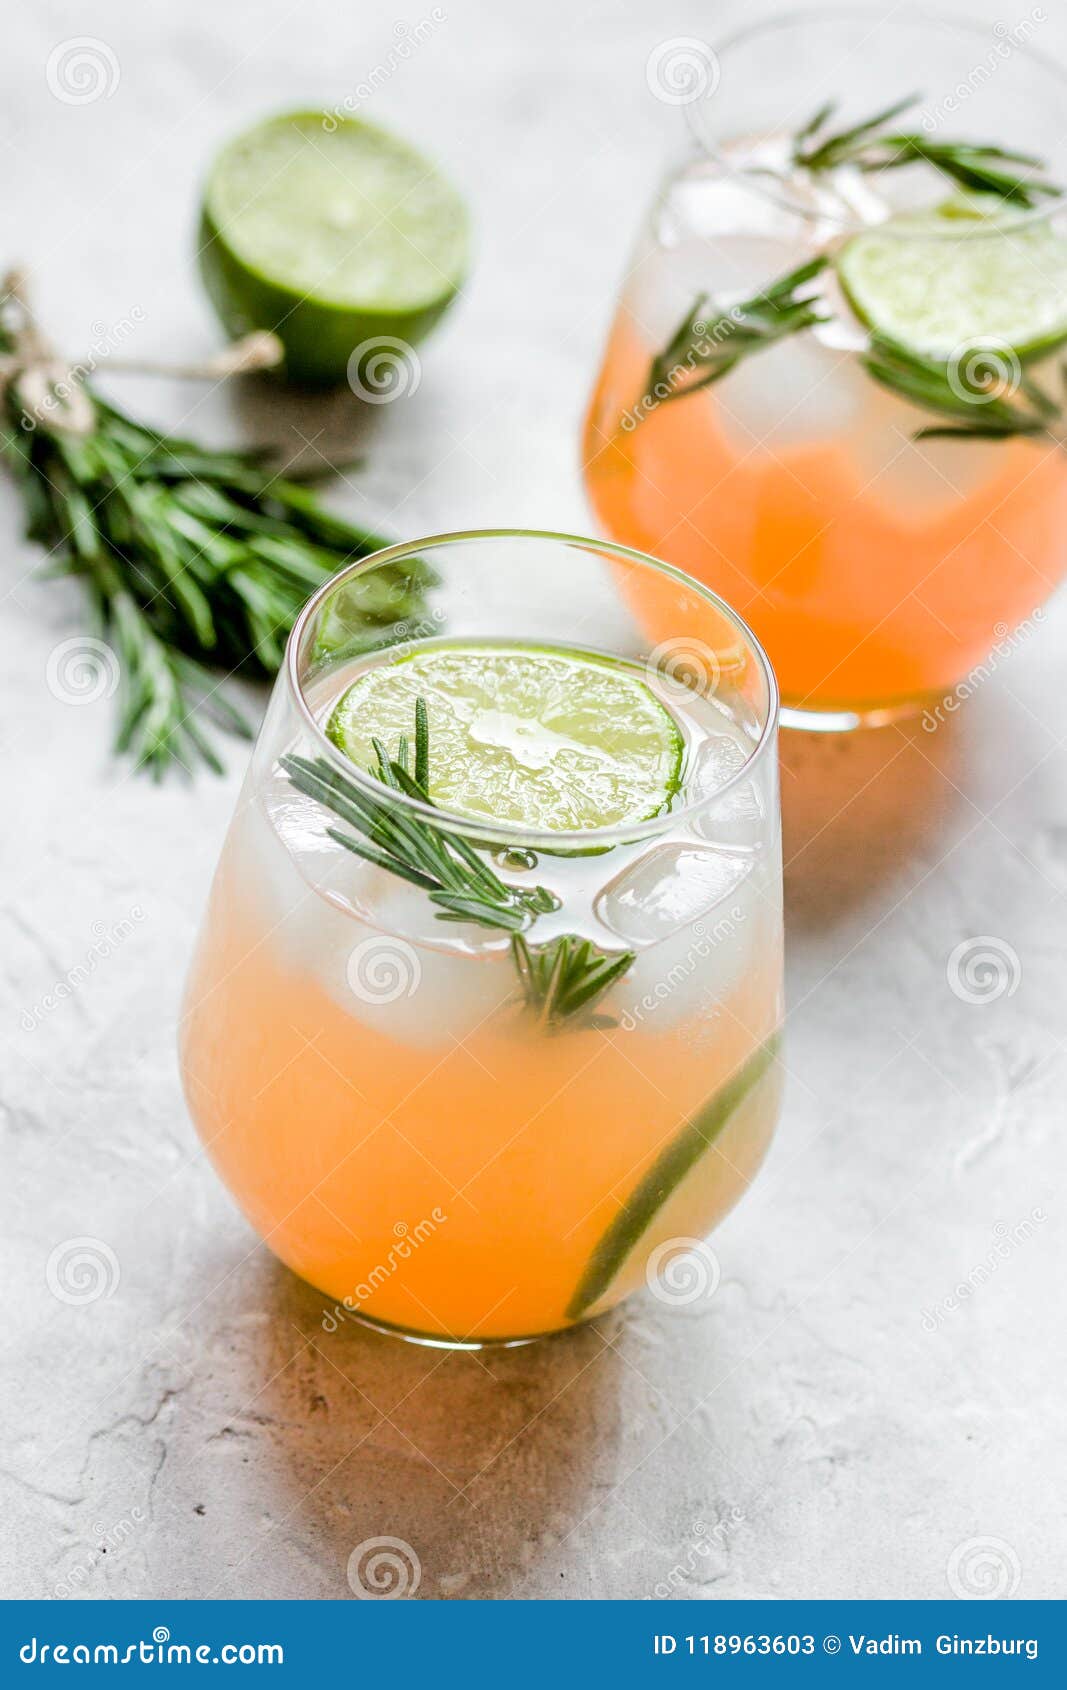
968	406
964	392
559	978
867	146
196	562
703	349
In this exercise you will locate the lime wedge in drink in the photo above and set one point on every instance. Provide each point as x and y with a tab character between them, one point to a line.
332	233
548	739
963	274
672	1193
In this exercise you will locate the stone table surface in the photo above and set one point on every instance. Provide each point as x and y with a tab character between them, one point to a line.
871	1404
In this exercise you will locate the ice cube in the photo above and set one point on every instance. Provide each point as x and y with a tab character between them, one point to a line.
738	817
683	979
415	994
791	394
668	889
371	942
664	287
728	198
718	760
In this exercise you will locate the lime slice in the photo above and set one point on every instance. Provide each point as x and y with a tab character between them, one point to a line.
332	233
546	739
959	276
660	1195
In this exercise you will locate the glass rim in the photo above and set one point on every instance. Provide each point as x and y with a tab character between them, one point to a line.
774	22
511	833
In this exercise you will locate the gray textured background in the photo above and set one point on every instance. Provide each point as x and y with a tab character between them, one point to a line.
195	1432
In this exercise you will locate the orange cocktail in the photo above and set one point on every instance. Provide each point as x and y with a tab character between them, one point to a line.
439	1139
876	572
833	389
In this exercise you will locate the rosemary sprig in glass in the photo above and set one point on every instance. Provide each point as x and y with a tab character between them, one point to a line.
559	978
974	406
969	393
567	975
702	350
195	561
869	147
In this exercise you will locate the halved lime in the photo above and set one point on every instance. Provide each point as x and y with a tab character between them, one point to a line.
547	739
332	233
960	275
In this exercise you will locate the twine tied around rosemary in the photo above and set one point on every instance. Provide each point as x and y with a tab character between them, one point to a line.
50	388
195	560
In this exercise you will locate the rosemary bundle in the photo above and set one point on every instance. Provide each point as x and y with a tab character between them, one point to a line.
195	561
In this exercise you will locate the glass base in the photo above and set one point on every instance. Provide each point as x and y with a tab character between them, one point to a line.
844	718
432	1341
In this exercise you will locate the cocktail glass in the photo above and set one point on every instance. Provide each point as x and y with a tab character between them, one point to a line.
878	568
395	1106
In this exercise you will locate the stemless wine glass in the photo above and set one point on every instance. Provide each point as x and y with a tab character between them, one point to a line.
411	1111
786	462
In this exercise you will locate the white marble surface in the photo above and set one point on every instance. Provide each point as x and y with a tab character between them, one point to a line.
195	1432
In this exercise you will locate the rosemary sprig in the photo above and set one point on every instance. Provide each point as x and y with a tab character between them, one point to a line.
567	975
445	865
702	350
972	408
195	561
869	147
964	392
560	978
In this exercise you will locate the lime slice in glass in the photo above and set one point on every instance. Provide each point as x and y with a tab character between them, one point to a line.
961	275
548	739
671	1199
332	233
